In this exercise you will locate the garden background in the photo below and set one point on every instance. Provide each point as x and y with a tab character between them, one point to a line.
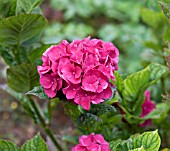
138	28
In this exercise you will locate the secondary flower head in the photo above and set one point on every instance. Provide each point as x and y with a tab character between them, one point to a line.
92	142
147	107
82	70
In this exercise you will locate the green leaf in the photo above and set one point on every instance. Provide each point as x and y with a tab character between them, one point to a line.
26	6
114	144
151	17
100	109
17	29
99	118
7	146
135	85
88	123
4	8
39	92
147	141
22	78
35	144
166	9
156	71
36	54
118	82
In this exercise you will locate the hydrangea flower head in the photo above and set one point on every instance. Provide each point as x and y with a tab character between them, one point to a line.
81	69
92	142
147	107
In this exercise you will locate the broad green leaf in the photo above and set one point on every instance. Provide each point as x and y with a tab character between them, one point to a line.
108	114
166	9
39	92
22	78
156	72
100	118
164	109
36	54
26	6
147	141
7	146
17	29
35	144
100	109
88	123
135	85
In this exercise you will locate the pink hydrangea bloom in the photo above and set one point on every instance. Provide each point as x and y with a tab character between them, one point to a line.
92	142
82	70
147	107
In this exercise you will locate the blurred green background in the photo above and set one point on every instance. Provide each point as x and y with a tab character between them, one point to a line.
138	28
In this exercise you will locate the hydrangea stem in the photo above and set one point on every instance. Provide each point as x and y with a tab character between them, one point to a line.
45	126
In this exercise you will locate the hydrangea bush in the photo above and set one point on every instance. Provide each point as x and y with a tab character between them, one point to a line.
111	111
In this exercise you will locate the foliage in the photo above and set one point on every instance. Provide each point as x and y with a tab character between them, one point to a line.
146	141
35	144
140	30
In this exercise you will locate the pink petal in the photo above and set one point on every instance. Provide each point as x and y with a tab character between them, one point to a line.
79	148
50	93
46	81
85	103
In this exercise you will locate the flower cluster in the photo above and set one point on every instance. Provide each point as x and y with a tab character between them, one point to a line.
92	143
147	107
82	70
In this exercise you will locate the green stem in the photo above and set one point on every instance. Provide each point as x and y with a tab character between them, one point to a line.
45	126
